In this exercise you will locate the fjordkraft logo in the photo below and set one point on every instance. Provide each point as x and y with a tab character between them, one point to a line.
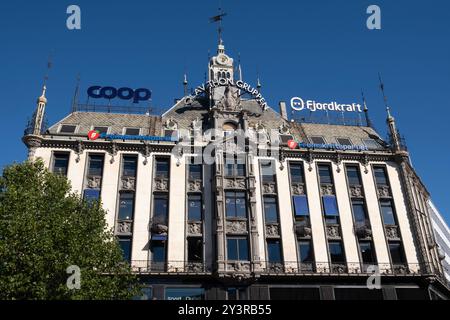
93	135
292	144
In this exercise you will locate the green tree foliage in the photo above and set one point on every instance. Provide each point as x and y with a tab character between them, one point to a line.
44	229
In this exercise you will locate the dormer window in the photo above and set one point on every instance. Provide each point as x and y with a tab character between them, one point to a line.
317	140
344	141
284	138
65	128
132	131
372	144
101	130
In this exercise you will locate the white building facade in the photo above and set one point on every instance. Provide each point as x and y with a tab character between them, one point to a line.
264	219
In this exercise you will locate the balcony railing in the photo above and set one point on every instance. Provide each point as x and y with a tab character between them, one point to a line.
285	268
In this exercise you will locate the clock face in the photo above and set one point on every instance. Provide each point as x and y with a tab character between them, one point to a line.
222	59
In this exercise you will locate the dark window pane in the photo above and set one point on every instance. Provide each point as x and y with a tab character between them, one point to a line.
268	171
367	254
129	166
195	249
325	174
241	205
240	169
330	206
270	209
243	250
160	209
126	206
61	163
68	129
158	249
235	204
171	133
301	206
306	251
101	129
232	294
132	131
95	165
397	254
274	250
317	140
91	195
194	208
297	173
359	212
162	168
232	249
353	175
307	294
380	176
353	294
229	169
388	213
195	171
336	252
344	141
125	245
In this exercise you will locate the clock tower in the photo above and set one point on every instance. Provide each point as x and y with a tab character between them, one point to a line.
221	65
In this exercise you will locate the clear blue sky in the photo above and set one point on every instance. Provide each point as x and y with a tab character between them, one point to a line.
316	48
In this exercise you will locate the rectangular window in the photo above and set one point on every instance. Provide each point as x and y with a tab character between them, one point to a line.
237	249
372	144
61	163
301	206
306	251
158	249
325	174
125	245
236	294
388	212
132	131
95	165
195	249
126	206
235	205
101	129
353	175
162	168
129	166
344	141
91	195
330	205
359	212
195	171
160	209
274	251
397	254
336	252
317	140
297	174
367	253
67	128
380	176
268	171
234	167
195	208
271	209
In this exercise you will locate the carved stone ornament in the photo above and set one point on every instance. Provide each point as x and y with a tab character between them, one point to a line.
239	266
128	183
303	231
298	189
113	151
160	229
327	190
161	184
333	232
363	232
194	267
195	186
338	268
356	191
195	228
384	192
276	268
392	233
284	129
269	187
94	182
171	124
79	150
238	227
272	230
124	227
235	183
230	100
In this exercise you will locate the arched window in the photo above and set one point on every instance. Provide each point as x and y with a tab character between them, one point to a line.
228	129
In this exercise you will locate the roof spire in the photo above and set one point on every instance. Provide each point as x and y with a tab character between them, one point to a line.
218	18
366	110
393	132
185	84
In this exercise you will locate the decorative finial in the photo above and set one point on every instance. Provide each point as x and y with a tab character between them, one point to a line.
185	85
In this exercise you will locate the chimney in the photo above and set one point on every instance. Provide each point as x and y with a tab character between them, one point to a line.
283	111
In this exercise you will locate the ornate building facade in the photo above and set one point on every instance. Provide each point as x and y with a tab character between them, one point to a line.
222	197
